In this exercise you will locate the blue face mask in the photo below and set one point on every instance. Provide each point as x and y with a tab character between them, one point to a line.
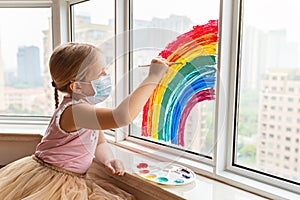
102	88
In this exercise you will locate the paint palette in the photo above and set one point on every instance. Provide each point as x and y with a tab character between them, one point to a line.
165	173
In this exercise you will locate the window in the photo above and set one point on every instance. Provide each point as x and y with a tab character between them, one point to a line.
291	89
273	98
256	65
263	38
91	26
152	30
25	84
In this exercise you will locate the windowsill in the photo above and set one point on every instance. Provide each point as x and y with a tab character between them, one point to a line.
203	186
165	156
263	188
23	126
15	129
23	129
206	183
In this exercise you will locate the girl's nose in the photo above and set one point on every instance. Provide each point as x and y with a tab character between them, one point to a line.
104	72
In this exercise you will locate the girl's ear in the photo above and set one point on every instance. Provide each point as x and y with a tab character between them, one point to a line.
75	87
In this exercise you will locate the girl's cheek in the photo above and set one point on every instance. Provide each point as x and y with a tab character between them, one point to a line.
88	90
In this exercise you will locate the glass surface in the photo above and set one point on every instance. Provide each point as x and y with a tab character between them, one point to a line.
268	131
25	86
95	27
154	25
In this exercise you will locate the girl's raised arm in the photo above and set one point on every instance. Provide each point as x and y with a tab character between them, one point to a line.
86	116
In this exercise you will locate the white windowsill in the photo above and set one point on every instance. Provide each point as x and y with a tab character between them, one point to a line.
21	126
206	183
203	186
262	188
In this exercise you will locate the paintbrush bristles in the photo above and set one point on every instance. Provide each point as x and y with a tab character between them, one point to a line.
174	63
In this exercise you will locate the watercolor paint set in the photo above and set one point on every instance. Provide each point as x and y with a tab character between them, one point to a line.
165	173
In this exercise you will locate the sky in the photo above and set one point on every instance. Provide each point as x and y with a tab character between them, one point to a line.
146	10
24	28
274	14
21	28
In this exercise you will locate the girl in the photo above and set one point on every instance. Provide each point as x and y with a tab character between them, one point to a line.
58	169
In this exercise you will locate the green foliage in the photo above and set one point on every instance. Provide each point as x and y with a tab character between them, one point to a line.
247	154
248	113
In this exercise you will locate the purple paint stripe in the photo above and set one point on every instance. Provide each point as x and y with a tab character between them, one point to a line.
208	94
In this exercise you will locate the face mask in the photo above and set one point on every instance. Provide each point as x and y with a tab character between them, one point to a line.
102	88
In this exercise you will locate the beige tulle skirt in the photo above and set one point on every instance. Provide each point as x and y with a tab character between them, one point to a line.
31	179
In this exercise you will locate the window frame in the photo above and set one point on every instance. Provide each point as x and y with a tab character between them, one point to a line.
221	168
16	123
227	91
231	69
170	150
121	52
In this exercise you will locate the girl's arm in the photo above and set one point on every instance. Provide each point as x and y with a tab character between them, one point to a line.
105	155
87	116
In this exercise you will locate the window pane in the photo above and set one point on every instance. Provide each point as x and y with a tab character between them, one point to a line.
154	27
269	89
25	86
95	27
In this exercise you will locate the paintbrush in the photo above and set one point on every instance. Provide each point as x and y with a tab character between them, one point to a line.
170	63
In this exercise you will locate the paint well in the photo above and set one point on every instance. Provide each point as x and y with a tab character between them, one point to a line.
142	165
151	176
144	171
178	181
162	179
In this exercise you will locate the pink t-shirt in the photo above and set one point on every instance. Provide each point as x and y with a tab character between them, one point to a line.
71	151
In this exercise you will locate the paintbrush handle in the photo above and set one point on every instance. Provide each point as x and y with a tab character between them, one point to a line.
144	66
173	63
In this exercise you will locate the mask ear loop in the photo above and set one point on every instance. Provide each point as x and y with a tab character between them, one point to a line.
75	87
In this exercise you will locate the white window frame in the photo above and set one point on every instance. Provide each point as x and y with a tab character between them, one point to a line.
169	151
231	20
121	51
28	124
221	167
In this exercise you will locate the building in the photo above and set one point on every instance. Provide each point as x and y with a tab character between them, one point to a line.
279	124
151	37
199	129
29	68
24	101
264	50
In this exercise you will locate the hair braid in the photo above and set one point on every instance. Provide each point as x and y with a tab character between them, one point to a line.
56	98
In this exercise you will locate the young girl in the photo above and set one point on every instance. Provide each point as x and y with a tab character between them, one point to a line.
74	136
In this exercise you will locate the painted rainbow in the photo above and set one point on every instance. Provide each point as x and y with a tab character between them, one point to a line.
185	85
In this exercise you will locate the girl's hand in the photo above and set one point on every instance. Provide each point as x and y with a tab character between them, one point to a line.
115	166
158	67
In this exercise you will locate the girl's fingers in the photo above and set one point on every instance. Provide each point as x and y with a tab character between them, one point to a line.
110	169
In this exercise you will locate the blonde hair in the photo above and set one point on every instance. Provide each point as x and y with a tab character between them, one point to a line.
70	62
